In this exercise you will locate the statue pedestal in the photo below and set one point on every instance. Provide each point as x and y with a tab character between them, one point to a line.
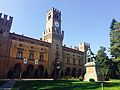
93	70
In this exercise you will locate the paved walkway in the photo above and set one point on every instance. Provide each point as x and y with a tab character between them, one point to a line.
8	85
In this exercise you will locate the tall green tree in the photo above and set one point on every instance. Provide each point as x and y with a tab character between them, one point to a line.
101	56
112	24
115	40
115	48
103	59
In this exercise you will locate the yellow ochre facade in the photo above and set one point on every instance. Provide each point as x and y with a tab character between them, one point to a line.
26	57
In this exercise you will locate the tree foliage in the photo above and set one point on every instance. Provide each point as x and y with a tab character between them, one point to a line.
115	48
112	24
115	41
105	71
103	59
102	56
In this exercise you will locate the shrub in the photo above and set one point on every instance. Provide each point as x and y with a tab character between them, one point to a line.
72	78
106	79
67	77
80	78
91	80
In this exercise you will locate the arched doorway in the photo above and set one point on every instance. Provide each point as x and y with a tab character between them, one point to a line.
39	72
67	73
30	71
62	74
10	73
46	73
73	74
55	73
17	70
79	72
52	74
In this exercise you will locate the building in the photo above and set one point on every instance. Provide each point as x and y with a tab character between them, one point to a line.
22	56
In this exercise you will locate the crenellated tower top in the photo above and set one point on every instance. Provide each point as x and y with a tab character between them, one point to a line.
53	25
5	23
54	10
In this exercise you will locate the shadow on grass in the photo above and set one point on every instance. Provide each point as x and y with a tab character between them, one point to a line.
112	84
2	82
60	85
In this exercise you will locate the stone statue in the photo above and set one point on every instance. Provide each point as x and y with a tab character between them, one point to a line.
93	69
90	56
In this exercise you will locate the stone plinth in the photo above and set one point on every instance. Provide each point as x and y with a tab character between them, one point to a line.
93	70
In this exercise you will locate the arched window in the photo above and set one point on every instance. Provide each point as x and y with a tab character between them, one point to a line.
49	16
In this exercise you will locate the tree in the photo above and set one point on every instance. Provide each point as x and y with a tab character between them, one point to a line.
103	59
115	48
101	56
115	41
105	71
112	24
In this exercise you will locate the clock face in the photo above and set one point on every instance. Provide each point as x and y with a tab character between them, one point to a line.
56	24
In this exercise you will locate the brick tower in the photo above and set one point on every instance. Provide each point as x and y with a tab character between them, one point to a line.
5	26
54	35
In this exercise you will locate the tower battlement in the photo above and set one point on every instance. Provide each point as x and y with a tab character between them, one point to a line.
84	46
5	22
54	31
54	10
53	25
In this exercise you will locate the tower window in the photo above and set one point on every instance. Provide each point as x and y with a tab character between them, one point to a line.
49	29
57	46
56	16
49	16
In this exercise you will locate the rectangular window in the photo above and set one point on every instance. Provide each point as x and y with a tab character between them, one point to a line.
74	61
41	56
79	62
19	54
31	55
68	60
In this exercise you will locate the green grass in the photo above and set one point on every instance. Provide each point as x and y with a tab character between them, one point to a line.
65	85
115	80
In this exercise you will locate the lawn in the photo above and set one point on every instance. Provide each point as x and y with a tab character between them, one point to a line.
65	85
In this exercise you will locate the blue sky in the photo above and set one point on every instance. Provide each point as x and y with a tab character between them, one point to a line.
82	20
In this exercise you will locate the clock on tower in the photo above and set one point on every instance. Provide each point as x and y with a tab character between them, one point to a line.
56	23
